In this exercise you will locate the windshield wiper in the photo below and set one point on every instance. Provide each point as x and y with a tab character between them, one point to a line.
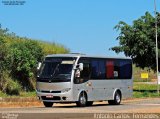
52	75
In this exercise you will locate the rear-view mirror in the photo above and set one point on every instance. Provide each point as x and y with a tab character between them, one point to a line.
81	66
39	65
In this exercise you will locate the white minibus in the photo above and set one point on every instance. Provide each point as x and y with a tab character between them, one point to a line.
83	79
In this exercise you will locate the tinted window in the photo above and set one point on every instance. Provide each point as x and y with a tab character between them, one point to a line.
94	66
47	69
98	69
125	69
56	69
106	68
118	69
110	69
85	73
102	69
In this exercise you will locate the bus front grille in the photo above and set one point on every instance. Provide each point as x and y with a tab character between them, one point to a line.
45	91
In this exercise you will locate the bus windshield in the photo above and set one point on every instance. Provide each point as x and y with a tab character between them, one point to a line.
56	70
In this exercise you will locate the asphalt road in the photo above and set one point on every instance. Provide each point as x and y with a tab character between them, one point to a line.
67	111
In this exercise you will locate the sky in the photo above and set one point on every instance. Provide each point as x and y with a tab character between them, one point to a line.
83	26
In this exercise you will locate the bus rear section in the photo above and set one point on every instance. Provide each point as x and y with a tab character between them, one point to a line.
103	79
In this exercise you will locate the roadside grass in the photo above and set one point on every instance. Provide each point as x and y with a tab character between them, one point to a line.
28	94
2	94
141	90
145	87
145	94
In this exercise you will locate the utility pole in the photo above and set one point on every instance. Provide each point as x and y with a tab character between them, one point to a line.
155	11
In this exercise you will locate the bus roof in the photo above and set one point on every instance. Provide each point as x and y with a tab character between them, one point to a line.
84	55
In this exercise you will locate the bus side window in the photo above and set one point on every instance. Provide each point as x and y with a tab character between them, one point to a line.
85	73
125	69
95	69
102	69
98	69
110	69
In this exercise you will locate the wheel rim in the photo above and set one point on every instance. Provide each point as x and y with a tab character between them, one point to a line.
118	98
83	99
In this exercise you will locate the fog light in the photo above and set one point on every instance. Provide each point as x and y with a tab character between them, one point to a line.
38	98
64	98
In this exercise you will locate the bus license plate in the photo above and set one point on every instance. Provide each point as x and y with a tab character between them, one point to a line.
49	96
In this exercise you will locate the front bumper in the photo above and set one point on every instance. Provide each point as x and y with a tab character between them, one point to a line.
55	97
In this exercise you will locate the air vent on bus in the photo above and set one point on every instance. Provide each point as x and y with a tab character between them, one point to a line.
45	91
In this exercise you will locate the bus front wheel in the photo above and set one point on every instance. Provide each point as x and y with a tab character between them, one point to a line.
117	99
48	104
82	102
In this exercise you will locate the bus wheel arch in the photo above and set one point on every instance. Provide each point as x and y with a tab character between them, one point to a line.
82	99
117	96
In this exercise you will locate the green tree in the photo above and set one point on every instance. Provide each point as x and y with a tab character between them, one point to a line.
138	40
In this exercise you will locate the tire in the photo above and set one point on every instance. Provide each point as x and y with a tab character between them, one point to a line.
48	104
117	99
82	102
89	103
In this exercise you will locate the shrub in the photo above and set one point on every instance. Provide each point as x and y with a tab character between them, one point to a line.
53	48
9	86
13	87
3	56
24	57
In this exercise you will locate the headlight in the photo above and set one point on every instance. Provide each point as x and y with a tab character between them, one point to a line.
66	90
